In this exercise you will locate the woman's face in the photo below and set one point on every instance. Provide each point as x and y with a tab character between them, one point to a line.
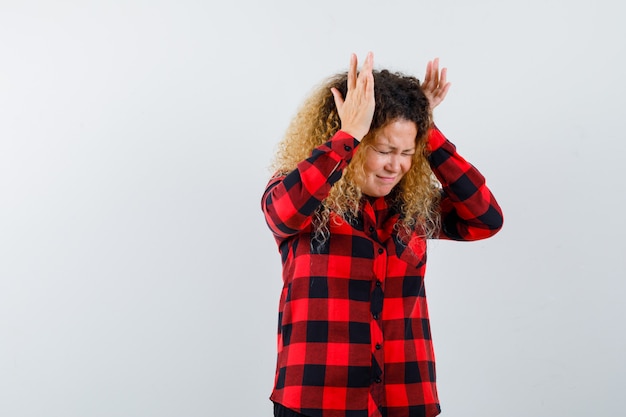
388	157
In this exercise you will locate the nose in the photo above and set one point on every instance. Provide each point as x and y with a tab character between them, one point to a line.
394	163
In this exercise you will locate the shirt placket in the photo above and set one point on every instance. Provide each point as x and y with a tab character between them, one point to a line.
377	392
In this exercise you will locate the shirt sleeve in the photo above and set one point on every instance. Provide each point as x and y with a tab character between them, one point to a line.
469	211
291	199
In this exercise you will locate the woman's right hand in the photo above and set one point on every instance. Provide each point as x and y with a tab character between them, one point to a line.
357	109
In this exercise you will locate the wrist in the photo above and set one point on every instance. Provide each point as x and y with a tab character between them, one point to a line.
435	138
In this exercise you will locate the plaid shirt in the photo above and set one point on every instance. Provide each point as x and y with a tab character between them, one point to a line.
353	333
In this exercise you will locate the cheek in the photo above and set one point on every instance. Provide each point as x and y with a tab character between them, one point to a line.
371	165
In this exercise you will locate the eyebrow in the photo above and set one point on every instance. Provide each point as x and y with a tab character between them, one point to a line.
392	147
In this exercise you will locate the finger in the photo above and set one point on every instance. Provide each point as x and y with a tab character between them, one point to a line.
436	65
352	72
436	72
444	75
368	66
444	91
444	84
369	79
338	98
369	84
366	70
370	75
428	74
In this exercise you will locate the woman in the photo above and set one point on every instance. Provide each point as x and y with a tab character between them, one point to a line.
363	179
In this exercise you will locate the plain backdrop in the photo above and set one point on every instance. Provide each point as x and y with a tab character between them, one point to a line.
137	275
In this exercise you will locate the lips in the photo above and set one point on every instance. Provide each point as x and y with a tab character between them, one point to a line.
386	179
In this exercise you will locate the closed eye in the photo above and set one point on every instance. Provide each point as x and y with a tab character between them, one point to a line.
381	152
389	152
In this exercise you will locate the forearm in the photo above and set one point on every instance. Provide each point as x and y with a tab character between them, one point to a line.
469	211
290	200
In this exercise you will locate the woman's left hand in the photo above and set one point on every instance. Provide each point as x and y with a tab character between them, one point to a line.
435	85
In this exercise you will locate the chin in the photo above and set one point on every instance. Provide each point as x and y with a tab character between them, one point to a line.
377	194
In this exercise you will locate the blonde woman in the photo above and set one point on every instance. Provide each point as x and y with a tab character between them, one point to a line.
362	179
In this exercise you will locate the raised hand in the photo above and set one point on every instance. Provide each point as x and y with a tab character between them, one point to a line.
435	85
357	109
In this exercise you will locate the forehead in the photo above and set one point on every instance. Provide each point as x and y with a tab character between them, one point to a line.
399	133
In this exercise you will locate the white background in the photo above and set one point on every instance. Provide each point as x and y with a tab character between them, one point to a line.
138	278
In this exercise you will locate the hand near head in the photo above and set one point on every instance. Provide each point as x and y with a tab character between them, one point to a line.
356	110
435	85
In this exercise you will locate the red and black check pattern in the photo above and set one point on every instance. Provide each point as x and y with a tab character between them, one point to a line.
353	332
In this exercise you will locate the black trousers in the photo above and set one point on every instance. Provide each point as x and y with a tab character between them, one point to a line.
280	411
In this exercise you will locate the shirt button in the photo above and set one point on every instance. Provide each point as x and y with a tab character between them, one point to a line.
380	251
372	229
378	283
378	380
378	346
347	148
375	316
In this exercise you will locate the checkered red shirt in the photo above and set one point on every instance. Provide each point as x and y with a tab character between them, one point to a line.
354	334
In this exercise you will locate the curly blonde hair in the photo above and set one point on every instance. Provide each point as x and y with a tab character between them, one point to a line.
397	96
